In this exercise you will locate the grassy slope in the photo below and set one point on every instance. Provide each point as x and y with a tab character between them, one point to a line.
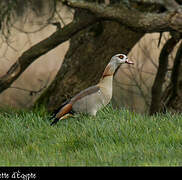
114	138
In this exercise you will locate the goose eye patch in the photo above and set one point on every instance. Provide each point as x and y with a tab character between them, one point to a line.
121	56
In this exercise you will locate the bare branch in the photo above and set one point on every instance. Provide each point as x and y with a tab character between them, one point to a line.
41	48
171	5
168	4
160	76
173	86
149	1
147	22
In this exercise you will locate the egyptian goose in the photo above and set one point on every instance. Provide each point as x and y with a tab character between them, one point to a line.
92	99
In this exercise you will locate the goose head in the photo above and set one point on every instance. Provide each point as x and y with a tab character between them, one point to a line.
120	59
115	63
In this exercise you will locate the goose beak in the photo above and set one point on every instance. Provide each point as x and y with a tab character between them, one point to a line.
129	62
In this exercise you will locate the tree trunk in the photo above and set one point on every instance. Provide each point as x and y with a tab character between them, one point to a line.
172	97
89	52
156	104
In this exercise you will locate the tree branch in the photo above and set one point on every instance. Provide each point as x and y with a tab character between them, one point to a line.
161	2
160	76
29	56
168	4
146	22
172	90
171	5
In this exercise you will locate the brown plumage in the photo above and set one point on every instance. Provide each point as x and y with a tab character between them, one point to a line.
92	99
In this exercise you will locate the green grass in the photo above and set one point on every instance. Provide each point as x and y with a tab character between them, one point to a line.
112	138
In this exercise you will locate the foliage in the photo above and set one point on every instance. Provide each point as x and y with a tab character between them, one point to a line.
113	137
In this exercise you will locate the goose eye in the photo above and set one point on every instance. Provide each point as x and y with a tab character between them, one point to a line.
121	56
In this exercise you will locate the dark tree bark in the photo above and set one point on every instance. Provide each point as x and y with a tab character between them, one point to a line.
89	52
172	96
160	76
133	17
